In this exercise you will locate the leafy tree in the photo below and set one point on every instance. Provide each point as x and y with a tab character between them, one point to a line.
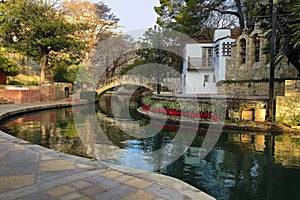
296	26
37	28
96	16
287	27
193	16
9	67
163	46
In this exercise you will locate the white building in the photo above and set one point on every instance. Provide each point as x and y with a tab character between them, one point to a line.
205	63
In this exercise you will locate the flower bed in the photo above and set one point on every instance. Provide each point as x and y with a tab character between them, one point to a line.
182	114
192	109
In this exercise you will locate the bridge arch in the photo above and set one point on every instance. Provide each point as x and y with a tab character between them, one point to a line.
126	80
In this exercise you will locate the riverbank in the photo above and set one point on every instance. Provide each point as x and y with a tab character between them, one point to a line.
29	171
238	125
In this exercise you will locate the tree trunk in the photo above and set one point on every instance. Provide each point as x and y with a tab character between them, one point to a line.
43	67
241	15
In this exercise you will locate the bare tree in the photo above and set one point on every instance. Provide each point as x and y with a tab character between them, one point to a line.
112	54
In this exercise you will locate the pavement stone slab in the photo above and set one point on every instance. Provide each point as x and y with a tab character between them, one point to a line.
138	183
80	184
112	174
164	192
123	178
70	196
56	165
140	194
116	193
92	190
37	196
60	191
26	157
14	182
103	182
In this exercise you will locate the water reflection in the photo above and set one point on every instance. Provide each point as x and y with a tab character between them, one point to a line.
242	165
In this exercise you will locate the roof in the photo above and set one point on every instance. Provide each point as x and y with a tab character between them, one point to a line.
207	35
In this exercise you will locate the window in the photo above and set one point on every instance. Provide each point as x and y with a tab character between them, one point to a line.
226	49
257	47
207	57
243	50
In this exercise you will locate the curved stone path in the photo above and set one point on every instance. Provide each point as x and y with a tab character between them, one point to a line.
29	171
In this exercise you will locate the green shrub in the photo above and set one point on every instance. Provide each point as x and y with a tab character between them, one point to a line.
296	120
15	83
88	95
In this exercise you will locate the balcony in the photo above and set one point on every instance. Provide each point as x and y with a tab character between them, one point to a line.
198	63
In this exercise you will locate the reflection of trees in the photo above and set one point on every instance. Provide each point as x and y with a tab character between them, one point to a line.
240	165
52	128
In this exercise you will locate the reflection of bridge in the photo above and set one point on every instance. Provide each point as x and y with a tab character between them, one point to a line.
126	80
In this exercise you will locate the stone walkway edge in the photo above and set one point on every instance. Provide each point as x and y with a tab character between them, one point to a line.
29	171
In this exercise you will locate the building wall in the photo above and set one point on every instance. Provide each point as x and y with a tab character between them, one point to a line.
220	59
251	88
252	70
195	82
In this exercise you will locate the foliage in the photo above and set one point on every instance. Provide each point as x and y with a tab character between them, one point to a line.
164	46
37	28
64	68
287	27
296	26
296	120
88	95
97	17
81	73
15	83
127	69
236	101
194	16
8	66
184	107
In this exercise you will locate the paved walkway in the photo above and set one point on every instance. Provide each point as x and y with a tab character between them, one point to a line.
29	171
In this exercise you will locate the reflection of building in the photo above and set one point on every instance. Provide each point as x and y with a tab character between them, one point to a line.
248	141
287	150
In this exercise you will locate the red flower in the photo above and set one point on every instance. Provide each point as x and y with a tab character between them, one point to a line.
144	107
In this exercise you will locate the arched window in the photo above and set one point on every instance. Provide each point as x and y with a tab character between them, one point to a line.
257	47
243	50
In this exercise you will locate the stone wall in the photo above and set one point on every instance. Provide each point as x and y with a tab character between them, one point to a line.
48	93
292	88
251	88
253	69
287	107
21	96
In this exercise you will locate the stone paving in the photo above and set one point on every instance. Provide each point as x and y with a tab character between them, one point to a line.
29	171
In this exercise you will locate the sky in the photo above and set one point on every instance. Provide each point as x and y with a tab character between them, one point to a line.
133	14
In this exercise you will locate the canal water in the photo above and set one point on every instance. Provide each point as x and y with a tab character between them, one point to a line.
242	165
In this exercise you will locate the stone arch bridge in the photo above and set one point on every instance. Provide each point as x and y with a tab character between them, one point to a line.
126	80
